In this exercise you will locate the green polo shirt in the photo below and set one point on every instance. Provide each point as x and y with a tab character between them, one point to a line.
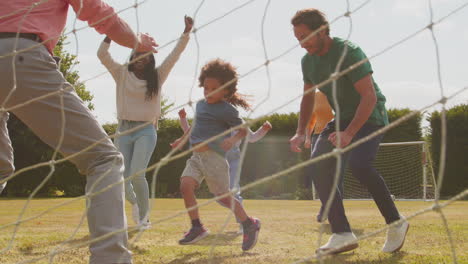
316	69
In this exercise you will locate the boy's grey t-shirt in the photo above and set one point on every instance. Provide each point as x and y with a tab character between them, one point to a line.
211	120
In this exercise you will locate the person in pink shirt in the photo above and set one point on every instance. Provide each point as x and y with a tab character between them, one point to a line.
33	88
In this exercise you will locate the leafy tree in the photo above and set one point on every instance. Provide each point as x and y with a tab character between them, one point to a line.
456	168
409	130
68	62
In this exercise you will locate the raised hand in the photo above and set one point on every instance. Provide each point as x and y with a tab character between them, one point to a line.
188	24
267	126
146	43
182	113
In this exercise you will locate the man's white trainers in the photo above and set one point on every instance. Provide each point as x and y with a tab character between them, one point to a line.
338	243
396	237
136	213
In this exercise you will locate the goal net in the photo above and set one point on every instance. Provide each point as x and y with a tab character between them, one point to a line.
406	169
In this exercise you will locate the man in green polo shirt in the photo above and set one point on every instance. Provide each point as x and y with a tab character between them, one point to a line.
359	108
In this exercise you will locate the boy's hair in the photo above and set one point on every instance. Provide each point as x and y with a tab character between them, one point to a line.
312	18
225	73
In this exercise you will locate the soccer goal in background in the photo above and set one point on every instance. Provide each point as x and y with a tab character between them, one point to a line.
406	168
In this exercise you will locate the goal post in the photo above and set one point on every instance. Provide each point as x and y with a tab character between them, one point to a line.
406	169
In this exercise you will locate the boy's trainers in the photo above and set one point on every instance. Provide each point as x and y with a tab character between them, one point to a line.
251	234
396	236
195	234
145	224
136	213
338	243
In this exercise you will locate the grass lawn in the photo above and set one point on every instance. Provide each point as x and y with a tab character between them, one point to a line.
289	233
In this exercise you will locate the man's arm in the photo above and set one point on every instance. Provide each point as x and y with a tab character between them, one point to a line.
365	88
104	20
307	106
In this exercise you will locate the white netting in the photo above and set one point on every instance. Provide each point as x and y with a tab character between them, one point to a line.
405	169
268	61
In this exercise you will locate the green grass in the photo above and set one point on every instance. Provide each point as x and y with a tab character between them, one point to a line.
289	233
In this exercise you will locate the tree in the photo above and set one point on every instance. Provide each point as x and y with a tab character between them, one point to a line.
67	64
456	168
410	130
32	150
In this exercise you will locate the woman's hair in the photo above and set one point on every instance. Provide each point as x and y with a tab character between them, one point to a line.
226	74
150	75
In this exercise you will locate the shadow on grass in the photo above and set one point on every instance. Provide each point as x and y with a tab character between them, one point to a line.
327	230
220	239
204	259
343	259
71	242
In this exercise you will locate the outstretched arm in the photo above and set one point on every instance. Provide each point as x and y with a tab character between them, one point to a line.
165	68
260	133
104	20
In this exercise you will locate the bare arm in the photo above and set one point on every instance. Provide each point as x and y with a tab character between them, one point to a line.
104	20
260	133
166	66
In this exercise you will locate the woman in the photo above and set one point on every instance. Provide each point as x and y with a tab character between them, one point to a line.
138	103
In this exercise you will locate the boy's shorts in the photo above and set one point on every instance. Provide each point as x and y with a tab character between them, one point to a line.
210	166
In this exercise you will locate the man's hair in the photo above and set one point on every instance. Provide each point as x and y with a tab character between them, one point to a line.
312	18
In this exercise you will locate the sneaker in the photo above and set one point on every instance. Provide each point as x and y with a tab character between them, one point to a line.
396	236
195	234
338	243
136	213
145	224
251	235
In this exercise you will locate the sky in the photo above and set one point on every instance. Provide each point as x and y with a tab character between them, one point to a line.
407	73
